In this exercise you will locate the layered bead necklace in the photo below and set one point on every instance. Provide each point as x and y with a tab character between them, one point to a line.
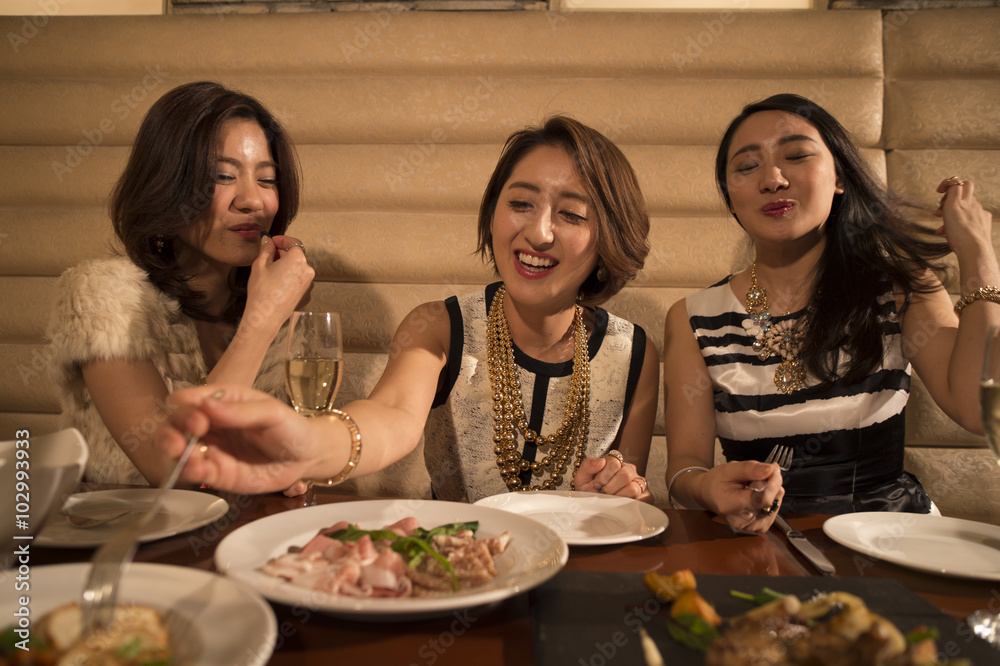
508	407
783	338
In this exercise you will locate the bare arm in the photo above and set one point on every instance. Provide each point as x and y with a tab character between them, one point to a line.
258	444
131	396
689	414
947	351
393	417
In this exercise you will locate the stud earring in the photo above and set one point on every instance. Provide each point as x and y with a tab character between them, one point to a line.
160	243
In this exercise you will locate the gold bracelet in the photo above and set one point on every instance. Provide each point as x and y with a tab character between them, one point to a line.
355	450
987	293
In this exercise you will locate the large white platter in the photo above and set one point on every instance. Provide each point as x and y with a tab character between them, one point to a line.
936	544
182	511
584	519
535	554
212	620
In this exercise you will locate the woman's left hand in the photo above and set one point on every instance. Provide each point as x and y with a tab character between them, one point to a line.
967	225
611	476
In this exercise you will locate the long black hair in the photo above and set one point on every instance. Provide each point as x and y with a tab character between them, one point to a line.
168	183
871	238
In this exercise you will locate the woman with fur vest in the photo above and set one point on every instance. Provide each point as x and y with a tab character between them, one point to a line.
207	281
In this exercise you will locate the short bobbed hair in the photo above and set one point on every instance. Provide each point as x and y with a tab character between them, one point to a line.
612	187
168	183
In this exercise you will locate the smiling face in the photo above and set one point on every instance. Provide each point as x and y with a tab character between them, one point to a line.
781	178
544	231
244	200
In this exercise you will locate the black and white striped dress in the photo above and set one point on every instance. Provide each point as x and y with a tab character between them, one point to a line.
458	437
848	439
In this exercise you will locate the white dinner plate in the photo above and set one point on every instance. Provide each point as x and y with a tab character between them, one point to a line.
940	545
584	519
534	554
182	510
211	620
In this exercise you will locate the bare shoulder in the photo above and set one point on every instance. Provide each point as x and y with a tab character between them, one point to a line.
428	325
677	321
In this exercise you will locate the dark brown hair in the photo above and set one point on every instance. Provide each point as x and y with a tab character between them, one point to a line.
168	183
612	187
871	238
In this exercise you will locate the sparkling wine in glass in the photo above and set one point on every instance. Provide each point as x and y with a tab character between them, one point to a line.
989	392
314	362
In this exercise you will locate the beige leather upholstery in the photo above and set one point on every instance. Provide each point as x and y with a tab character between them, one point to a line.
399	118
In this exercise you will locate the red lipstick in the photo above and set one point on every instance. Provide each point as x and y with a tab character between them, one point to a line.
777	208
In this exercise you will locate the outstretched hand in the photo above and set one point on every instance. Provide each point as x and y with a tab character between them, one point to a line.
249	441
610	476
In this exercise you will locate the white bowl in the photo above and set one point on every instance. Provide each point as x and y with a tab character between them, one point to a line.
36	475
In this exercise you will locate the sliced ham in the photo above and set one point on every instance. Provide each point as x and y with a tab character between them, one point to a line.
364	568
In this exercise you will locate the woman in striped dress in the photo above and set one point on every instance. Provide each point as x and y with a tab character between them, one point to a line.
811	345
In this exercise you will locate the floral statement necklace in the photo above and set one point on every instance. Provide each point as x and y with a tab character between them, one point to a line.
508	406
783	338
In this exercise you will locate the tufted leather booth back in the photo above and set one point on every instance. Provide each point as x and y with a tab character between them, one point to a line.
399	118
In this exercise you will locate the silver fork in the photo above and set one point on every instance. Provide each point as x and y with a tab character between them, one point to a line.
782	455
100	595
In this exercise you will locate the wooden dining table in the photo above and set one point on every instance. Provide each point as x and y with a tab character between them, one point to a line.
505	633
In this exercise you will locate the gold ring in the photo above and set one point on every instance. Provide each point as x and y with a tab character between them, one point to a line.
615	453
954	180
771	509
641	482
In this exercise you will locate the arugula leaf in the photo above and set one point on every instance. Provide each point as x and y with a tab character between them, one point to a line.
130	650
921	634
352	533
413	547
765	596
9	641
693	631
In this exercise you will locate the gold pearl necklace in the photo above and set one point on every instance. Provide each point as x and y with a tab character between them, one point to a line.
783	338
508	406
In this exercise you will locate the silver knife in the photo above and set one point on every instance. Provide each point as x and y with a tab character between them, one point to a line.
804	546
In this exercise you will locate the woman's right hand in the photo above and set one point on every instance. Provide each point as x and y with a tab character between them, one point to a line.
741	492
280	281
250	442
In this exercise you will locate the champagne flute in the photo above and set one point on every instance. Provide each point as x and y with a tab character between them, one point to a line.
989	391
313	366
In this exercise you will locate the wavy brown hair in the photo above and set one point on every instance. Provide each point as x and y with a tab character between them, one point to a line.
168	183
871	238
610	184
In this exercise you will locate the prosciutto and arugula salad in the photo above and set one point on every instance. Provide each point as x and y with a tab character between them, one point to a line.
398	560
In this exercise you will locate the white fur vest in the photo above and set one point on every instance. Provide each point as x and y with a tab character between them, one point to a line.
108	309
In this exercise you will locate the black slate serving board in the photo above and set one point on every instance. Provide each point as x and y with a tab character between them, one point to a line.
593	619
